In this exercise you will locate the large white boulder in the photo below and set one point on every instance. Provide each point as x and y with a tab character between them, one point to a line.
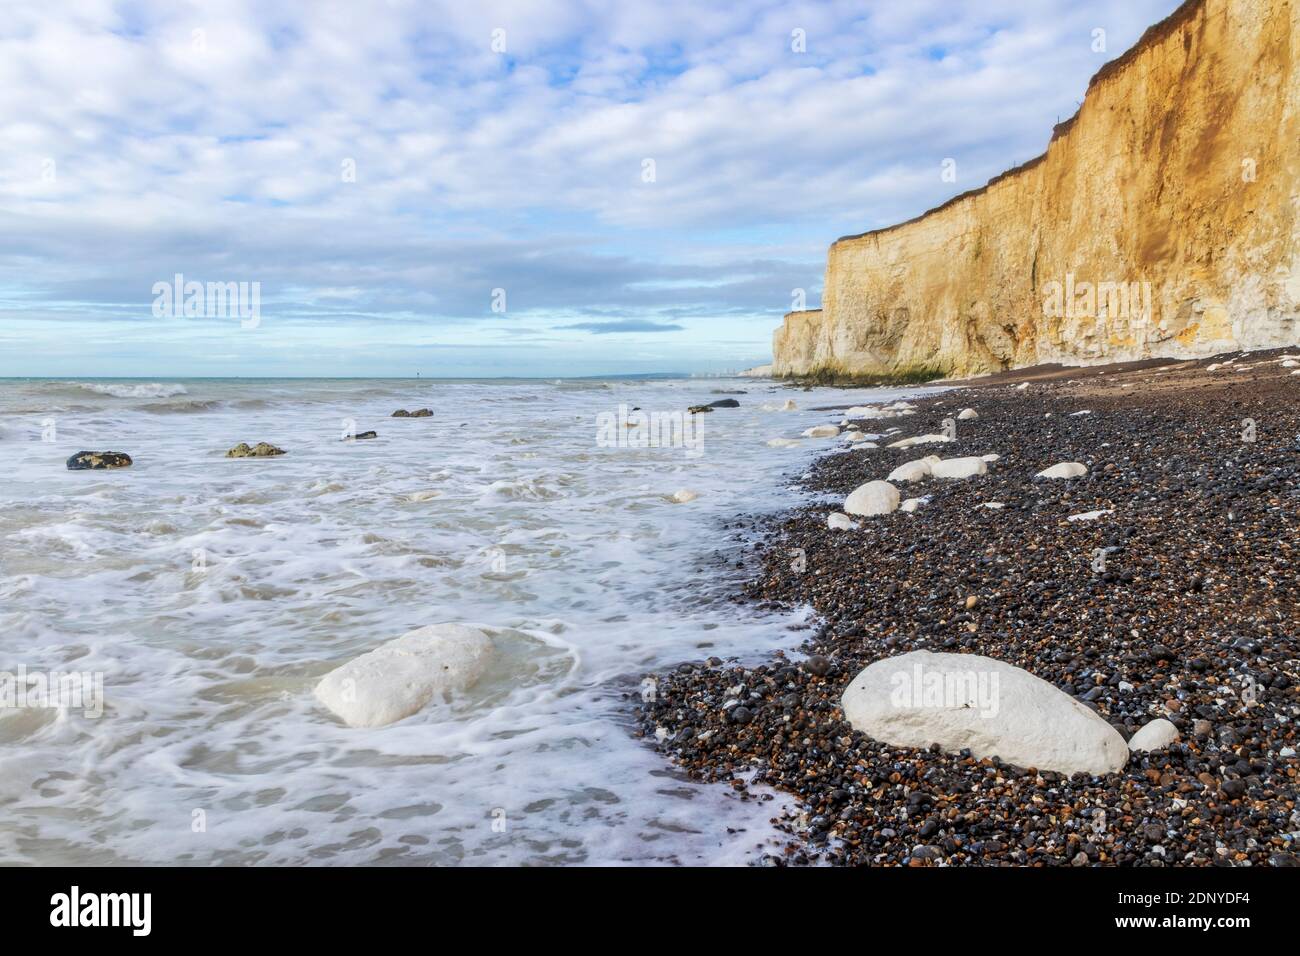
873	498
959	468
400	678
1156	735
962	701
911	471
1066	469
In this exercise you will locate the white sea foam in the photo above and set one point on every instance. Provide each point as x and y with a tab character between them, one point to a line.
213	595
134	390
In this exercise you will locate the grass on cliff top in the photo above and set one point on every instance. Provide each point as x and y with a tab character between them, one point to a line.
908	375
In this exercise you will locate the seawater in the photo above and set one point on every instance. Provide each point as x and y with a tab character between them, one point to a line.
212	594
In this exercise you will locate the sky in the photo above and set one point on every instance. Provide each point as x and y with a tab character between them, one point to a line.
553	187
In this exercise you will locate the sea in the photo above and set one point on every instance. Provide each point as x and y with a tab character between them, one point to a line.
201	598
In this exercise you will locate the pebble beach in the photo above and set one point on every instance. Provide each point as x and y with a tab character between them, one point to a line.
1157	586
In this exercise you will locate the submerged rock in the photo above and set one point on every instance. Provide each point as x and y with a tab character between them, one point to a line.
725	403
95	460
683	495
993	709
361	435
822	431
401	677
698	409
260	450
418	413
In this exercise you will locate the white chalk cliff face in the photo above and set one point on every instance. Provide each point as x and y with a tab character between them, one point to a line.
1163	221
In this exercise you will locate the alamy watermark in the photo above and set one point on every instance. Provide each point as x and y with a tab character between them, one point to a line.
182	299
945	689
65	690
635	428
1089	300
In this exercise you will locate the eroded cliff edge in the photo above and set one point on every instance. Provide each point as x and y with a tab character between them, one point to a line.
1163	220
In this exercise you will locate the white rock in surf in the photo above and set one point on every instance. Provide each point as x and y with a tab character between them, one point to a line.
822	431
860	445
961	701
967	414
919	440
423	495
959	468
911	471
839	522
873	498
789	405
782	442
1156	735
1066	469
683	495
400	678
854	436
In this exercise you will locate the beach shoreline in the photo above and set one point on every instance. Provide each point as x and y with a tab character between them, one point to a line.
1193	467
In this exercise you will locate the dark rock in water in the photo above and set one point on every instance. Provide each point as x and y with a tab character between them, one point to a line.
360	435
696	409
87	460
401	413
728	391
724	403
418	413
260	450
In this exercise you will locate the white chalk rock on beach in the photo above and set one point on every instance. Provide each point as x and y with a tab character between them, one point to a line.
1066	469
400	678
839	522
860	445
961	701
782	442
959	468
1022	386
911	471
919	440
911	504
994	505
862	411
1090	515
854	436
1086	411
1156	735
822	431
1289	363
683	495
990	458
873	498
967	414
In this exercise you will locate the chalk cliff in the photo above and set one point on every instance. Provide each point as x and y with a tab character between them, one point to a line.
1163	220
